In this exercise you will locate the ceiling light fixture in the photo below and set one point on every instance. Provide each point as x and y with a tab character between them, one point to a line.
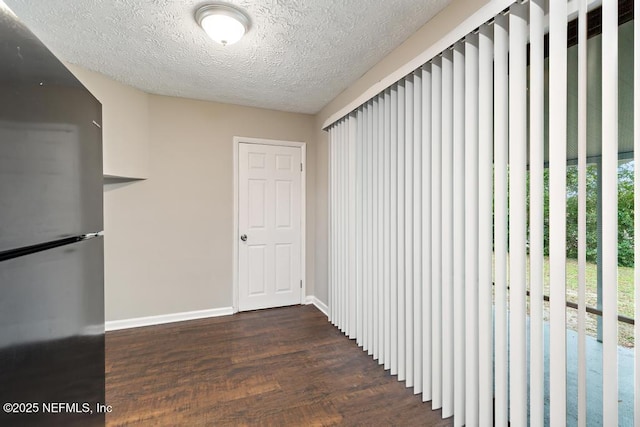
225	24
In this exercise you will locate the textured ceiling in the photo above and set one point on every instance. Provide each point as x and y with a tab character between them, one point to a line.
298	55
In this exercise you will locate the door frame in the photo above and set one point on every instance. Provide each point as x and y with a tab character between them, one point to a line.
237	140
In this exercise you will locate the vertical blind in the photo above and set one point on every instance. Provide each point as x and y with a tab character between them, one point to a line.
437	221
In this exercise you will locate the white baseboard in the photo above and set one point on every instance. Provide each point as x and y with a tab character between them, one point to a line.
115	325
319	304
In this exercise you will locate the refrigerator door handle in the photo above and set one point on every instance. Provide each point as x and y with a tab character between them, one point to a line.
92	235
28	250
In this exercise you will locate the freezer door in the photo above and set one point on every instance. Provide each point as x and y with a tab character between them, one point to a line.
52	332
50	145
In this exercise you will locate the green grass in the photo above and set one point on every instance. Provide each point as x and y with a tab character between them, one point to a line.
625	285
625	298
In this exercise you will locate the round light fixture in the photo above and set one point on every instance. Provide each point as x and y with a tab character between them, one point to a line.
223	23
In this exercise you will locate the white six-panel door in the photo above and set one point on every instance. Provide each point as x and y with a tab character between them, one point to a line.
269	225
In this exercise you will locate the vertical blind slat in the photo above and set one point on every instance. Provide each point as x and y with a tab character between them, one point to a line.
459	232
357	285
417	228
334	224
369	225
485	226
408	223
341	223
340	181
610	212
380	228
501	120
436	233
401	234
447	234
426	233
332	239
338	205
370	252
557	209
345	219
366	281
394	232
351	285
471	229
345	216
582	211
387	237
338	222
536	214
517	214
359	225
374	233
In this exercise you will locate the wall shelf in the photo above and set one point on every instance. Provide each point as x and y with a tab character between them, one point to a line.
116	179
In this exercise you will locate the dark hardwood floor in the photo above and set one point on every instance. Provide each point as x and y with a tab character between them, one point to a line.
285	366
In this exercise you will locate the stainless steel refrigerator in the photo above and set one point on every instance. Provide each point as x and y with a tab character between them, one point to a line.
51	246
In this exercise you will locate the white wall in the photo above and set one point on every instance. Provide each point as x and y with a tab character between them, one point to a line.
168	246
125	124
175	229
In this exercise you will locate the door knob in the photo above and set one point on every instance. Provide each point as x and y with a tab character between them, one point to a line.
243	237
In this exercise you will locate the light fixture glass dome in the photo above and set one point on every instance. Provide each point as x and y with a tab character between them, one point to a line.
223	23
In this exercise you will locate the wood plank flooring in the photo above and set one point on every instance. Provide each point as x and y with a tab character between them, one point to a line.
285	366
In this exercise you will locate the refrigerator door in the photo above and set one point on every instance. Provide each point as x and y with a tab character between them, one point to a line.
52	333
50	145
